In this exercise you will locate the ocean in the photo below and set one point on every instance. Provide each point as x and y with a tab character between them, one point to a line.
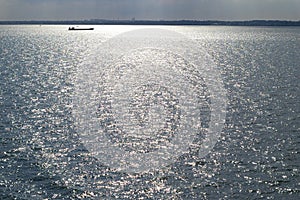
149	112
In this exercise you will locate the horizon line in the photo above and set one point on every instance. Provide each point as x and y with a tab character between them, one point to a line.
133	21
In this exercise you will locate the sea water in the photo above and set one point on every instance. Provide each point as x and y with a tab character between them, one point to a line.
143	97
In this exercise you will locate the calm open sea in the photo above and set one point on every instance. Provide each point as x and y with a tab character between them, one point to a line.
43	156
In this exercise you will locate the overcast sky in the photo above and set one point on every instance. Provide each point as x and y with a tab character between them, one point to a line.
149	9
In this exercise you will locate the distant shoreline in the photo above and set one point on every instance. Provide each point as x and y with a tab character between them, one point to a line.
155	22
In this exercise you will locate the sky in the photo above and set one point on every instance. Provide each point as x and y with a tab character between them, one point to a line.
149	9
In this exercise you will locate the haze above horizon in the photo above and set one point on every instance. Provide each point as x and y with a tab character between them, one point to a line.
150	9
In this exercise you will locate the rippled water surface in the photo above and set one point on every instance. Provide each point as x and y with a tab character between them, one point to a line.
148	90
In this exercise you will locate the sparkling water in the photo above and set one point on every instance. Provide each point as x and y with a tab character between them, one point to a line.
149	112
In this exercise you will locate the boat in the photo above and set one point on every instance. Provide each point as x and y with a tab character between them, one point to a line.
80	29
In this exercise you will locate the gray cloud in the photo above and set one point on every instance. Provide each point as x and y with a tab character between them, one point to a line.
149	9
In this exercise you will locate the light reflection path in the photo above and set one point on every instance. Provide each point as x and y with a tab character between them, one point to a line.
139	100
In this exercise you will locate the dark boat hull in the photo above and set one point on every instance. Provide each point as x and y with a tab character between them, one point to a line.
80	29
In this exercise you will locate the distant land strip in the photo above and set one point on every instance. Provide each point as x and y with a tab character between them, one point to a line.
157	22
